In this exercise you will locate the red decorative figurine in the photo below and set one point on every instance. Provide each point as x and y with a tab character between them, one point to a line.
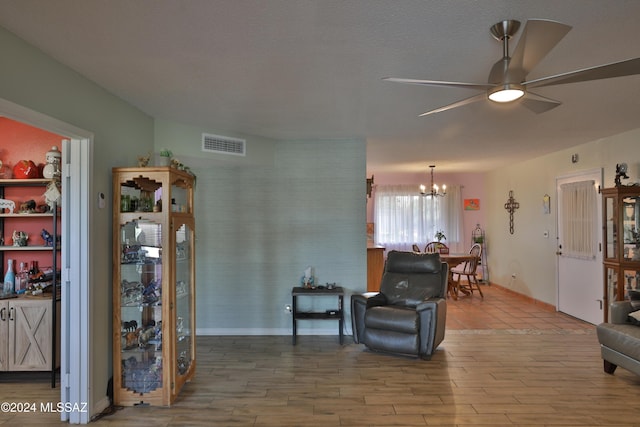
25	169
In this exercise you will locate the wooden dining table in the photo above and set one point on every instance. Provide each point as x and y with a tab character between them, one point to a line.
454	259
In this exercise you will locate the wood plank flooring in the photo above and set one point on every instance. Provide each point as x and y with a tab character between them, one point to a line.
504	362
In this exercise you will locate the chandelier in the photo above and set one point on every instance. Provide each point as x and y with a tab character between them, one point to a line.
434	190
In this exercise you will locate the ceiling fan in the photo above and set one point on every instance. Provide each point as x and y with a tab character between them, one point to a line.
507	80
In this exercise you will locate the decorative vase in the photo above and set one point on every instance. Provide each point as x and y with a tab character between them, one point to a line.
164	161
9	278
52	168
25	169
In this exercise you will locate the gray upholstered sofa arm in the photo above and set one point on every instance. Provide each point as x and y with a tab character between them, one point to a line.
619	339
428	304
359	305
619	311
433	315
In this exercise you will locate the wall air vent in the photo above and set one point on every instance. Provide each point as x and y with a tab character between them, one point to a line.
223	144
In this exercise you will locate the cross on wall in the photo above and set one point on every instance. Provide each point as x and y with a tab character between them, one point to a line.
511	206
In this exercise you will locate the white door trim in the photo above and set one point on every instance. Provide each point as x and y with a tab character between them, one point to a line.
75	322
75	377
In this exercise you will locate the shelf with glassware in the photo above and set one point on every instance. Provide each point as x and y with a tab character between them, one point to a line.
154	284
621	255
29	241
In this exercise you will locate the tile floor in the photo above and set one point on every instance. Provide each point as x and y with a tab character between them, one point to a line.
504	362
503	309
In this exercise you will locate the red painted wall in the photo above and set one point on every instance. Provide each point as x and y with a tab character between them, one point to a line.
19	141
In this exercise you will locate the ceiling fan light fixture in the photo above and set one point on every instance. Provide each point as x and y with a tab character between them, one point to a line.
506	93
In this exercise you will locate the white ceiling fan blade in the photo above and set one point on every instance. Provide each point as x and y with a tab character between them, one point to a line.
538	38
538	103
480	86
628	67
475	98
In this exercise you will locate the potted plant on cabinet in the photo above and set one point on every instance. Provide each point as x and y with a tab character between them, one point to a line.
441	247
165	157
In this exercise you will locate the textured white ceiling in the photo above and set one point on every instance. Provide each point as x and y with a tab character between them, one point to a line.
312	69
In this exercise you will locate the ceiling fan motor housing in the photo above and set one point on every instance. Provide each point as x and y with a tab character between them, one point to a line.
506	79
505	29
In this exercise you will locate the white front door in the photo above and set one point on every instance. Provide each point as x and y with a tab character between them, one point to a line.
580	270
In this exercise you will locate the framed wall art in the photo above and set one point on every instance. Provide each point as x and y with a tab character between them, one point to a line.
471	204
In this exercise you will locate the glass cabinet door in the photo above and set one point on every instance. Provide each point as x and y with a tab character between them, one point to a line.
611	277
610	235
181	197
630	223
141	305
617	291
631	281
184	299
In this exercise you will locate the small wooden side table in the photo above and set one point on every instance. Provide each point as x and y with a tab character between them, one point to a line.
329	314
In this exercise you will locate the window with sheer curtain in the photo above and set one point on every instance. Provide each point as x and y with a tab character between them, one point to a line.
404	217
579	216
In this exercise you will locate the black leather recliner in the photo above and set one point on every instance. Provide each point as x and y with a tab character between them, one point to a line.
408	315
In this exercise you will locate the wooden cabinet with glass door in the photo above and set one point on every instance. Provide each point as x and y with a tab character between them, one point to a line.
154	284
621	252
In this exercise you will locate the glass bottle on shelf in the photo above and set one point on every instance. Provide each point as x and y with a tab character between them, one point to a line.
21	278
9	279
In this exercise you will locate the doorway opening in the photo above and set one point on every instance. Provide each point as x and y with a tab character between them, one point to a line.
75	321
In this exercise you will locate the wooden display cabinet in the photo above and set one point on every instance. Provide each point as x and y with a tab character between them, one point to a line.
621	237
153	284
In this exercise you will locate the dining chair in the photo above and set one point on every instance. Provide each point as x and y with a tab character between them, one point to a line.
468	269
433	247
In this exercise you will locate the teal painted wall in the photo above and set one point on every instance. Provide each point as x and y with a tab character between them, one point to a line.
121	132
262	219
